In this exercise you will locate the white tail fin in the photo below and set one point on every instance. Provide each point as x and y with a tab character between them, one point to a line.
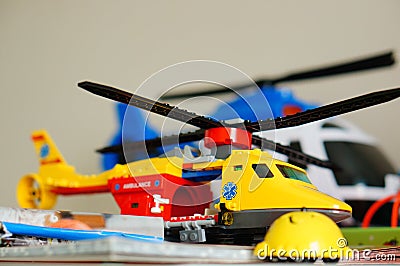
46	150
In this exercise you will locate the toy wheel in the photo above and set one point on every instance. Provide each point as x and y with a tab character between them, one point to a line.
31	193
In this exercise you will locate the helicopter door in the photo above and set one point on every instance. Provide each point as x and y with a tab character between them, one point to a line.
231	186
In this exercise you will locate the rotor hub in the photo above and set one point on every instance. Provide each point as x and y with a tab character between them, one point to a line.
220	136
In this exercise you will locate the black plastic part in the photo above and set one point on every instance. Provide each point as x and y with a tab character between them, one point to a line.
293	154
382	60
296	145
156	107
218	235
204	123
151	144
323	112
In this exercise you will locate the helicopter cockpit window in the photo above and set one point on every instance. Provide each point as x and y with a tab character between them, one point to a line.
358	163
292	173
262	170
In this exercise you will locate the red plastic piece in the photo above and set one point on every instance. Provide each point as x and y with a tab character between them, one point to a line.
134	195
37	138
227	136
395	210
50	161
187	166
379	203
80	190
291	109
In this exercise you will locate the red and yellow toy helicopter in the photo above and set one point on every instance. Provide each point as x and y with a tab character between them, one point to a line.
253	188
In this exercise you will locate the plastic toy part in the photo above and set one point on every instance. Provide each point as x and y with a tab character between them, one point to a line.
255	182
303	236
378	204
33	193
70	234
227	136
249	107
162	195
55	177
70	224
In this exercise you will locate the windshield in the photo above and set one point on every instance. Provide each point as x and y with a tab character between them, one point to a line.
358	163
292	173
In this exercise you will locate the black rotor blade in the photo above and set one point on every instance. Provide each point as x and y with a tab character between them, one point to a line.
323	112
151	144
162	109
293	154
259	84
378	61
202	122
383	60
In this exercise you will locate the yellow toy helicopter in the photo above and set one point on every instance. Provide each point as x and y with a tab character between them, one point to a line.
253	188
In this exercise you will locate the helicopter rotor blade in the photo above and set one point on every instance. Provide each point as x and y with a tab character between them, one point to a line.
382	60
162	109
203	122
323	112
150	144
259	83
373	62
293	154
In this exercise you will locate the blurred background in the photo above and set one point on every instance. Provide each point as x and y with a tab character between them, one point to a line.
47	47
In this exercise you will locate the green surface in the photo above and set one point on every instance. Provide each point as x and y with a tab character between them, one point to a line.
372	236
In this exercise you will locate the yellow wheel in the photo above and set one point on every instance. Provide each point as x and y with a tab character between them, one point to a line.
32	193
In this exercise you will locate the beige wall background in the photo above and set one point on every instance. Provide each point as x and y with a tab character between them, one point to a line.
48	46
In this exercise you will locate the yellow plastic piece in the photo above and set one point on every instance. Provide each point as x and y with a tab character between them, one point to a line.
45	148
255	193
35	190
209	165
299	235
32	192
154	166
54	170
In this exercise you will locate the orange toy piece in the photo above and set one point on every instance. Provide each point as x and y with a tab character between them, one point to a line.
70	224
66	220
379	203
